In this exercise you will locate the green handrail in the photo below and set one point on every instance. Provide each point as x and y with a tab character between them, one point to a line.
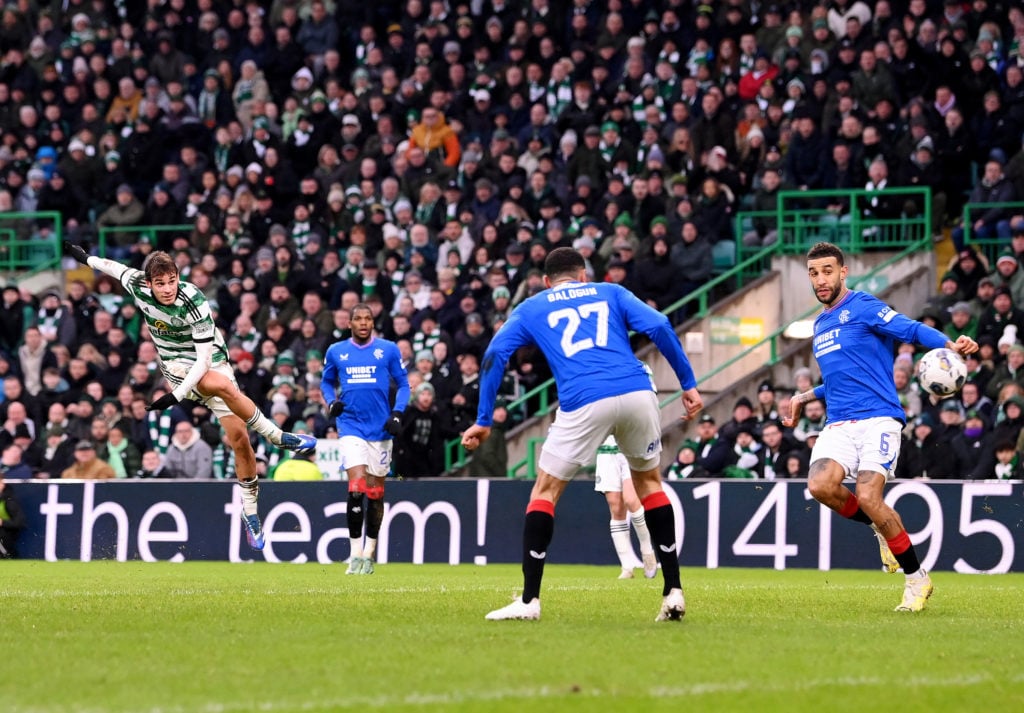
990	246
152	231
803	218
529	461
772	339
31	253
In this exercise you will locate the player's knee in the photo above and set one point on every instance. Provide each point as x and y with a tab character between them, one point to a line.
819	485
616	506
238	439
869	499
357	486
375	492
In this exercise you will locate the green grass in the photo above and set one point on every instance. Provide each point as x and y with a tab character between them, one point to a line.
217	638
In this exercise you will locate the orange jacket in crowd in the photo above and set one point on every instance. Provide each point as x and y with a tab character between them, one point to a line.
441	139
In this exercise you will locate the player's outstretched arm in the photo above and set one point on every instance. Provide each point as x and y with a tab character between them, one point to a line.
81	254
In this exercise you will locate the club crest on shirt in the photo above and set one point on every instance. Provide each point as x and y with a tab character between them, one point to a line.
378	354
844	316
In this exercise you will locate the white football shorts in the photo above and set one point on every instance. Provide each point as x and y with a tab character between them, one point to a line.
375	455
176	370
872	444
611	469
574	437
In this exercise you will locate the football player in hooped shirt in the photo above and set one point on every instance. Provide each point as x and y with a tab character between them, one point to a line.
583	330
193	359
854	342
356	382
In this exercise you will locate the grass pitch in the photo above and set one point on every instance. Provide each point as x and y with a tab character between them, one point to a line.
216	638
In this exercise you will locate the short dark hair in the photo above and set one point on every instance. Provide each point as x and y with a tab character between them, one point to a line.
159	263
362	307
823	249
563	261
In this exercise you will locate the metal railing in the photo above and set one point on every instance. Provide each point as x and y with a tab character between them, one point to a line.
30	242
803	218
772	340
105	234
990	247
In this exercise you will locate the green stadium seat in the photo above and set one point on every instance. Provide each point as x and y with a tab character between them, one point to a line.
723	255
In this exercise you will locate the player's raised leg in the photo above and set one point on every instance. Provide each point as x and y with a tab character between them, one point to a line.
216	384
825	483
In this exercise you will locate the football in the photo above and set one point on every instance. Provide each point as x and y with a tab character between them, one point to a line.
941	372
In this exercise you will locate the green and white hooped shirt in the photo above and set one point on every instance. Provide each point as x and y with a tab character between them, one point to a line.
176	328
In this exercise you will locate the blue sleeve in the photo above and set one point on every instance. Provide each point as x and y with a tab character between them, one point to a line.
819	392
513	334
401	378
898	326
329	377
647	320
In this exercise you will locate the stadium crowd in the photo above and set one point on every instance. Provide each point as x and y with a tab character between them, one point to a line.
424	157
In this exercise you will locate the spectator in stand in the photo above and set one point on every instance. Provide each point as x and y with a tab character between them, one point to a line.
436	138
962	321
1001	314
970	267
189	456
924	454
989	222
685	465
655	277
767	410
87	466
805	158
742	416
419	448
692	259
973	453
713	452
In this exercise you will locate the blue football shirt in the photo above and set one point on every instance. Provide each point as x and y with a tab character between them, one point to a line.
361	376
583	330
855	344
